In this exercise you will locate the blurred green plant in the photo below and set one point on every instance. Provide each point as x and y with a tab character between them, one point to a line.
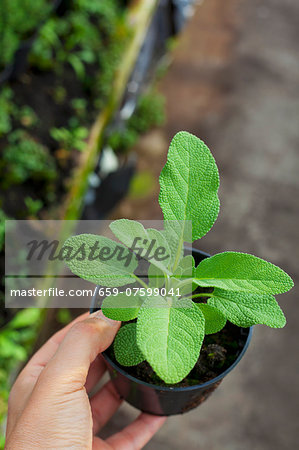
59	94
3	217
122	140
64	316
18	21
149	113
10	111
26	116
16	341
141	185
79	105
70	138
33	206
90	35
25	158
7	108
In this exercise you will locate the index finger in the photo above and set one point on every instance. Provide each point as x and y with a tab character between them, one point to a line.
39	360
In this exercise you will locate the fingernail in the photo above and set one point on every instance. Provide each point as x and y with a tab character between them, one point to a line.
99	315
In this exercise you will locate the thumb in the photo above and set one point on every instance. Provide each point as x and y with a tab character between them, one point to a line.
81	345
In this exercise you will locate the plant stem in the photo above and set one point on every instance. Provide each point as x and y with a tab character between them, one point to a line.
167	281
140	281
202	294
177	258
183	283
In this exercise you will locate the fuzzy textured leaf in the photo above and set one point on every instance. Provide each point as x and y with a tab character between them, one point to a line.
125	346
121	307
242	272
176	232
245	309
110	272
185	267
170	337
189	183
128	230
183	273
214	319
156	278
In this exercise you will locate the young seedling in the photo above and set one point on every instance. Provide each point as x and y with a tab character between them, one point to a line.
167	320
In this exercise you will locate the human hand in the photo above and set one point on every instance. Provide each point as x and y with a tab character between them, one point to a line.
49	407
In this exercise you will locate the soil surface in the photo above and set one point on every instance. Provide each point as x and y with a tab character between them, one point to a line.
234	83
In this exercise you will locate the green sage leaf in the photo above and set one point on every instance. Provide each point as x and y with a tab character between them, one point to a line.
112	264
156	278
182	276
170	337
155	246
245	309
242	272
125	346
176	233
214	319
189	183
185	267
121	307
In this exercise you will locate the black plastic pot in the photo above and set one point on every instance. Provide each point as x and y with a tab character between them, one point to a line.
164	400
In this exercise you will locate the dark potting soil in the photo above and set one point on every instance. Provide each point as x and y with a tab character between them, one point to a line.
218	353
